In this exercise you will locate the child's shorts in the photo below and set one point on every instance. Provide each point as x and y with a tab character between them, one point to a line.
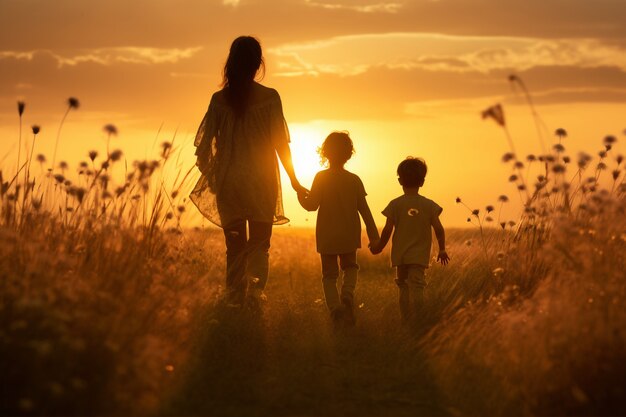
412	275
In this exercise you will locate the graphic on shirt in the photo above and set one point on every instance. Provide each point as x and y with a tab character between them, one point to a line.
413	212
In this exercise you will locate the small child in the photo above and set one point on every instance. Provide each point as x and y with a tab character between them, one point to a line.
340	197
412	216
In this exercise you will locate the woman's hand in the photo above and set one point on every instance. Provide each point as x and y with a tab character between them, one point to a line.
298	188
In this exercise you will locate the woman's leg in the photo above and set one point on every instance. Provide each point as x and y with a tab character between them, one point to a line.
258	247
236	283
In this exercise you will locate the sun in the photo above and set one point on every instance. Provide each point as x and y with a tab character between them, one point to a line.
304	144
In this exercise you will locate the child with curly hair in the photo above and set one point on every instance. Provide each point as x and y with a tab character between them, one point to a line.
339	195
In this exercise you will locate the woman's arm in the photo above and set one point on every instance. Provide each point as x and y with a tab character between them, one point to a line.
284	154
311	201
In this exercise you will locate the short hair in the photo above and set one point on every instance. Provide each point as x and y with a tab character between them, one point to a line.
412	171
337	147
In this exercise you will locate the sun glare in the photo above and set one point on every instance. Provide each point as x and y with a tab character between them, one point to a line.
304	144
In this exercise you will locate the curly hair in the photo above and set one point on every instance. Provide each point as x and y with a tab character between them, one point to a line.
337	148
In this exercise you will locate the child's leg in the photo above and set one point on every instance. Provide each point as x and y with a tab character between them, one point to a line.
258	256
417	283
236	284
402	274
350	274
330	273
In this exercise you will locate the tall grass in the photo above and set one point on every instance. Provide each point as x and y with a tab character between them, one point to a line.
534	324
110	307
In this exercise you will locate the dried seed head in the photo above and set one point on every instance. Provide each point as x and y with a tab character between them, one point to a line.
63	165
93	155
489	209
458	199
73	103
41	158
558	169
566	159
513	178
561	133
110	129
616	173
496	113
519	165
503	198
59	178
509	156
115	155
609	140
36	129
475	212
20	108
558	148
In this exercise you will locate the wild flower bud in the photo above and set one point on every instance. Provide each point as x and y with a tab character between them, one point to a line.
561	133
73	103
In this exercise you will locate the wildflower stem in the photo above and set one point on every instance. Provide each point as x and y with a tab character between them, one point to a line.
56	142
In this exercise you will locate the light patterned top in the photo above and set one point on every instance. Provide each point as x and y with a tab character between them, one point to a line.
237	157
412	217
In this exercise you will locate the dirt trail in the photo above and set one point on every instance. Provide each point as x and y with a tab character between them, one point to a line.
290	361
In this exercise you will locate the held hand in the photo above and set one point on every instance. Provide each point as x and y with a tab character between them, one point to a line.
443	257
298	188
375	247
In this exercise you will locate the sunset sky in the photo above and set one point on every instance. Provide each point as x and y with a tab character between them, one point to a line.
403	77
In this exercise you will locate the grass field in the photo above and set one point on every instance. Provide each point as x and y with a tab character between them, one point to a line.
109	307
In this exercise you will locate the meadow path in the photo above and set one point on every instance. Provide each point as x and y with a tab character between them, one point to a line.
290	361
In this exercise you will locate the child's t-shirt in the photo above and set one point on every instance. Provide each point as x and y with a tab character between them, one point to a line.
412	217
338	228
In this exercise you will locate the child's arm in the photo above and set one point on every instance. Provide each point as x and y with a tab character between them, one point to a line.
384	238
370	224
441	239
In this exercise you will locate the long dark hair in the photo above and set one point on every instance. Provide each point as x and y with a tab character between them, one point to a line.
244	61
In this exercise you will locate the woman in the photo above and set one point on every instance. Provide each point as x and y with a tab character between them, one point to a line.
237	143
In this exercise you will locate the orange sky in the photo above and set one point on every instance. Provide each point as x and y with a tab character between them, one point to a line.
404	77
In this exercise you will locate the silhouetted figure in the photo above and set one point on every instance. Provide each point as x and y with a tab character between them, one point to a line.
237	142
340	197
410	218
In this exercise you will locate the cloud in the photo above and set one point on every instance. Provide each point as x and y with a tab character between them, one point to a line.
109	56
354	54
359	6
